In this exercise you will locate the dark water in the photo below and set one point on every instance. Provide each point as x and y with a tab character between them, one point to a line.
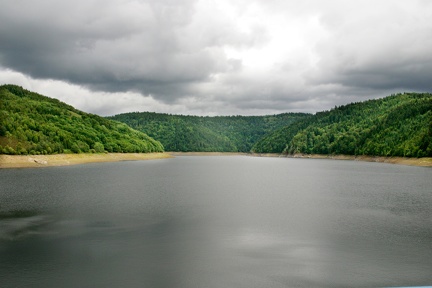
217	222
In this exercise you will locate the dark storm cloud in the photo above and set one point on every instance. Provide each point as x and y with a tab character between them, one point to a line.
147	46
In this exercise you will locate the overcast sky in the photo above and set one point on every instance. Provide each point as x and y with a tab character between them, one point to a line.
216	57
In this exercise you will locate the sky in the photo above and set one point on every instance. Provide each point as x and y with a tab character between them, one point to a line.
216	57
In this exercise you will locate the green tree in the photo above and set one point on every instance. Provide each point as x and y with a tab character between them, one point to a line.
99	147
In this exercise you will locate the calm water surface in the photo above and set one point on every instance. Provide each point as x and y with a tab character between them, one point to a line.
229	221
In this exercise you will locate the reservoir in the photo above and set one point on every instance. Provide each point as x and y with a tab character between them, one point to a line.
221	221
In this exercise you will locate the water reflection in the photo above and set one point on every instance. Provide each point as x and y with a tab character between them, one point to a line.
216	222
22	223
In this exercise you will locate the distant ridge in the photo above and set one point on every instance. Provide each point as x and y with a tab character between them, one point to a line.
34	124
181	133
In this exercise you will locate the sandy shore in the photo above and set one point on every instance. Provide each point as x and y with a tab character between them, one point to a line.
208	153
21	161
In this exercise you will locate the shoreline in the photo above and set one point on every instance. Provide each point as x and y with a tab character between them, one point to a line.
209	154
421	162
33	161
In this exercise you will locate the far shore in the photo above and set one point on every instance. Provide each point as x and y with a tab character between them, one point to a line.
31	161
424	161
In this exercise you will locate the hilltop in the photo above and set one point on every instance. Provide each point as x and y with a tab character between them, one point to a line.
398	125
34	124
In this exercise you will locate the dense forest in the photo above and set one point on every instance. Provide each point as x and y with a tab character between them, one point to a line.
207	134
398	125
34	124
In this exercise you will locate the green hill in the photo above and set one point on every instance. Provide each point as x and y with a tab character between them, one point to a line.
207	134
398	125
34	124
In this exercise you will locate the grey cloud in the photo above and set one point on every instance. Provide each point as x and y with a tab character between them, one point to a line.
380	51
176	50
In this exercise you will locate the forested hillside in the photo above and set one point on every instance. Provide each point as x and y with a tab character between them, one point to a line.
207	134
34	124
398	125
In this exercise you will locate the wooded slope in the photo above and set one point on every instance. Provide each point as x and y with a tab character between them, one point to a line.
398	125
34	124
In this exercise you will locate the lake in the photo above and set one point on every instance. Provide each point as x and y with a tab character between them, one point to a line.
223	221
